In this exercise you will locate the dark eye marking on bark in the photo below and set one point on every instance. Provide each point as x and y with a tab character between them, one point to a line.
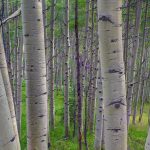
114	130
114	40
101	99
40	116
116	103
42	140
115	71
12	139
26	35
106	19
130	85
117	106
41	94
43	135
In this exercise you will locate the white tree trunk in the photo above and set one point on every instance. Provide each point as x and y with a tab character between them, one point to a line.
19	86
8	138
147	144
113	75
34	46
4	71
99	115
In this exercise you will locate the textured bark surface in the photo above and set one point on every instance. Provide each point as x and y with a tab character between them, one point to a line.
66	70
147	144
133	57
113	75
8	140
19	86
4	71
33	33
79	99
91	73
99	113
51	66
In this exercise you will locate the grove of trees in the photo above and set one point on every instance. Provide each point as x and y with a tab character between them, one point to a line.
74	75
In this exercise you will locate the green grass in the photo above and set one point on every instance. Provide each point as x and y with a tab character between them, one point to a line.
138	133
136	137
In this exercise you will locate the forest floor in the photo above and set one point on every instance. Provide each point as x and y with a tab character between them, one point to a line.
136	137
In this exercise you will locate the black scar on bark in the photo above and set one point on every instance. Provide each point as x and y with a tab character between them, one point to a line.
116	104
114	40
13	139
106	19
114	130
40	116
114	71
26	35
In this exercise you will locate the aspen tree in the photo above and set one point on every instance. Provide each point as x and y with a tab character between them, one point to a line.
66	72
51	66
113	75
147	144
7	85
34	47
133	57
19	85
8	138
99	115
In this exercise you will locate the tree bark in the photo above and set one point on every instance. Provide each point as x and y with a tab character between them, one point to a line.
8	138
147	144
66	70
51	66
131	72
34	46
113	74
99	115
7	85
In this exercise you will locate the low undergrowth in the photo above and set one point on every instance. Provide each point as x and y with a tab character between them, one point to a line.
136	136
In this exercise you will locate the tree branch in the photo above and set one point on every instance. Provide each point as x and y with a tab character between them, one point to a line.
15	14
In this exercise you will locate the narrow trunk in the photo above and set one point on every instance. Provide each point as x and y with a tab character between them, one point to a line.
19	86
147	144
99	115
79	102
51	66
66	70
131	74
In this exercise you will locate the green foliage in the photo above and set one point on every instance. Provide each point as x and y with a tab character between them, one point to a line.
136	137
